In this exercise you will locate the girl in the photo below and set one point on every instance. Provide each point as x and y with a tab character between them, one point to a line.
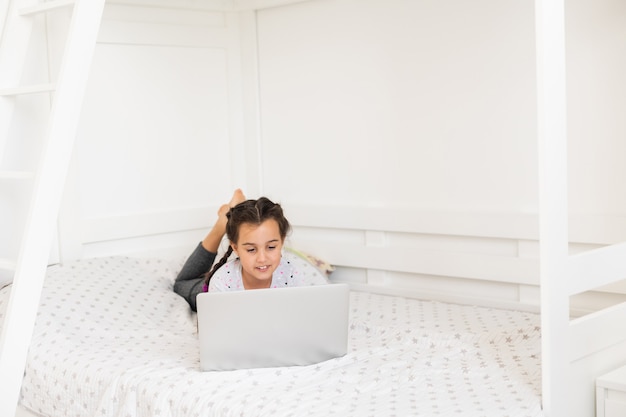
256	230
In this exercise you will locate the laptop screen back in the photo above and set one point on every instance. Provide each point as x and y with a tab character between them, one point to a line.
272	327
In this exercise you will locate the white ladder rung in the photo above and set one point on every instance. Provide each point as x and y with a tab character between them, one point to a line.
46	7
7	264
16	175
28	89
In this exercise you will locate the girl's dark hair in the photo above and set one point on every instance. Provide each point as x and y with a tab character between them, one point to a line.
251	212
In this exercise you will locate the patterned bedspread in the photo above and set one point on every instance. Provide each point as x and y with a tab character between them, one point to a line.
112	339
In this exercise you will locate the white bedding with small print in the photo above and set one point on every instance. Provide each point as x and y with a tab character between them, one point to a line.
113	340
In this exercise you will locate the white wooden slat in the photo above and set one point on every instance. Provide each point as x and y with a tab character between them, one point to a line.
553	216
174	14
212	5
596	331
40	227
431	262
45	7
444	296
139	33
597	229
251	102
246	5
205	5
512	226
236	118
145	223
28	89
415	220
588	228
600	396
324	217
592	269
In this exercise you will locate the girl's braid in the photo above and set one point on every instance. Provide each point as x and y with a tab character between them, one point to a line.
218	265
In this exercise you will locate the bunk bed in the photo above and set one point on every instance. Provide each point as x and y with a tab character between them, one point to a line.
124	344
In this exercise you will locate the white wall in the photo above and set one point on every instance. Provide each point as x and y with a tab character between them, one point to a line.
425	104
596	106
159	141
399	136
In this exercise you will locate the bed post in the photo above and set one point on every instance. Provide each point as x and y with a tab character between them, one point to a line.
553	216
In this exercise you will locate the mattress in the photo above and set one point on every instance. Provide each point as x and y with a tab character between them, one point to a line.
112	339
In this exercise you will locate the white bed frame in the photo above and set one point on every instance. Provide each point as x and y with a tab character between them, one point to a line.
574	351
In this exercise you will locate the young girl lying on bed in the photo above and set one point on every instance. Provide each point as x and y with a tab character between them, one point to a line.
256	230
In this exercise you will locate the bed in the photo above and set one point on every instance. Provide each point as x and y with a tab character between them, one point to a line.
499	245
113	339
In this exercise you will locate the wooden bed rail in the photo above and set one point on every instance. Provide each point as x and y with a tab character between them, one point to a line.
488	267
592	269
594	332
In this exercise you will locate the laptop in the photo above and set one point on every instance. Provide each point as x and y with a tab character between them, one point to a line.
272	327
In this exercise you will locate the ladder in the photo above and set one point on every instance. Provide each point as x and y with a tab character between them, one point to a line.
44	185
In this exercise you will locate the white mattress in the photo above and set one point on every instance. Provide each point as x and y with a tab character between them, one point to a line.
112	339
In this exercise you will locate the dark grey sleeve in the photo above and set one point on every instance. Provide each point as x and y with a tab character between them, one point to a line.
190	279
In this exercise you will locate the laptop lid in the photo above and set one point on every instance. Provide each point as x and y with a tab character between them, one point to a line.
272	327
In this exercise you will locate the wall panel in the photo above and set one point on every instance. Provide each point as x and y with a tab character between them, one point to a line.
596	41
158	128
426	103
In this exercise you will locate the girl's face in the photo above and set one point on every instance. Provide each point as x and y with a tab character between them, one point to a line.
259	250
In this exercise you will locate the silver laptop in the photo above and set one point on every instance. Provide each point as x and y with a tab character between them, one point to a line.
272	327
